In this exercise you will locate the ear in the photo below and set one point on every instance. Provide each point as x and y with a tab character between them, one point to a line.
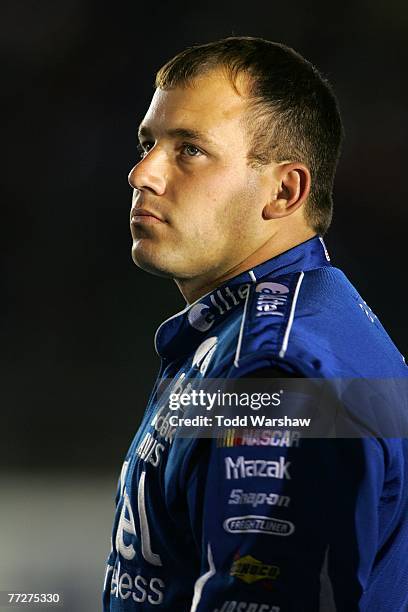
292	189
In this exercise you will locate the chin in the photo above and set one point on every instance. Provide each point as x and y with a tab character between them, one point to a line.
150	263
169	264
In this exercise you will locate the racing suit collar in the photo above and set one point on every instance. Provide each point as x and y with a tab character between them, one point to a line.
179	334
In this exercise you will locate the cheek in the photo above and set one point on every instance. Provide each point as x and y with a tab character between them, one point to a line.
220	204
239	207
202	204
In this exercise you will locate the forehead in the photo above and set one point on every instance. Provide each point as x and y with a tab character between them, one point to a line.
210	104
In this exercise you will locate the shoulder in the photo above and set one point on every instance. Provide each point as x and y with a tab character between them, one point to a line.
267	321
313	323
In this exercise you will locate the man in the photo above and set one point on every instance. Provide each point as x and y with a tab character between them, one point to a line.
231	197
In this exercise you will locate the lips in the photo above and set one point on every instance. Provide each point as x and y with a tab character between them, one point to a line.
143	215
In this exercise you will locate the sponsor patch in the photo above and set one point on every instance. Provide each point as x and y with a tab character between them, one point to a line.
203	354
150	450
136	588
250	570
251	468
271	300
257	498
246	606
259	437
202	316
253	523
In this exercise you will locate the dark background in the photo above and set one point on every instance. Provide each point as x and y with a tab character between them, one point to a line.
77	317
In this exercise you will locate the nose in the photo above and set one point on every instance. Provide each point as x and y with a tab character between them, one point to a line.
149	174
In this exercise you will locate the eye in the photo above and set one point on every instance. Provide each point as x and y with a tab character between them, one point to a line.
190	150
144	147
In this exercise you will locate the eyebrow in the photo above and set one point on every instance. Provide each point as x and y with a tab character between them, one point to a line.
189	134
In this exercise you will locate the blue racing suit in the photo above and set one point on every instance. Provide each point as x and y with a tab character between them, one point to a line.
276	523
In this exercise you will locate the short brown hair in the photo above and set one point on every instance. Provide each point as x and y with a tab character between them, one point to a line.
293	113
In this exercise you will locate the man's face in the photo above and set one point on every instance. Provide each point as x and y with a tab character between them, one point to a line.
195	179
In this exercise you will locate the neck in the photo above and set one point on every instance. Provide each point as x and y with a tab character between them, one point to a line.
194	288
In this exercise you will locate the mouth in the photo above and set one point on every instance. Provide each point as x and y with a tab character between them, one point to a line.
144	216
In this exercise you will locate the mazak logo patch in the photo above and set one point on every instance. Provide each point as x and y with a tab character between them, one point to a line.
254	468
258	524
250	570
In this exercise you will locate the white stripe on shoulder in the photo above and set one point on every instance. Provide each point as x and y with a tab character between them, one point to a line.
241	331
252	275
291	317
202	580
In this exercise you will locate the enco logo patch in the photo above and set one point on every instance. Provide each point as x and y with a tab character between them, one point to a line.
250	570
